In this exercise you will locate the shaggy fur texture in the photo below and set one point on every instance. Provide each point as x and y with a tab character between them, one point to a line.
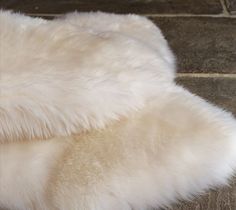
78	72
174	146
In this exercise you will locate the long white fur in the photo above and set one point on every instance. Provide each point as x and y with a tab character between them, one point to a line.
54	72
172	149
175	145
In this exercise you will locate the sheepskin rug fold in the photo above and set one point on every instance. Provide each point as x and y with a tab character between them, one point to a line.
91	118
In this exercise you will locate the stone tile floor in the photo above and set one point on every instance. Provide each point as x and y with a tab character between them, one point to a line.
202	33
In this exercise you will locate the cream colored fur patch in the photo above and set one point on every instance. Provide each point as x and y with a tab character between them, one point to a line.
78	72
148	142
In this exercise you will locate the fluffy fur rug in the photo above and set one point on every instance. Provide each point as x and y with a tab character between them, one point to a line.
118	133
79	72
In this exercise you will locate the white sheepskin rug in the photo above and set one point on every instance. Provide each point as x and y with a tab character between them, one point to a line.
79	72
91	118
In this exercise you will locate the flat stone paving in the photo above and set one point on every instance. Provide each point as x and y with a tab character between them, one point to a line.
217	90
231	5
219	199
123	6
201	44
202	33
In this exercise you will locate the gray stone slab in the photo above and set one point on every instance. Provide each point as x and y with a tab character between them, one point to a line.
231	6
217	90
202	44
124	6
219	199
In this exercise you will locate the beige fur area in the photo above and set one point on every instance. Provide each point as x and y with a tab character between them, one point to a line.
121	135
53	72
148	160
172	149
